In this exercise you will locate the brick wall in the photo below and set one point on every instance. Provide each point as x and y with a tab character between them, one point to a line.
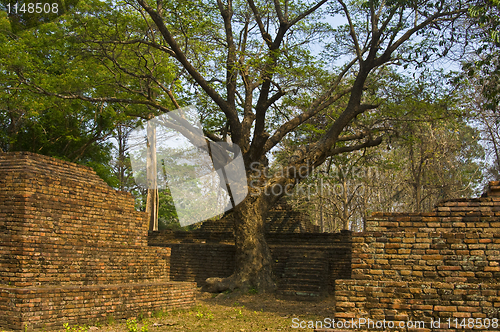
50	307
72	247
281	219
457	215
197	255
429	266
197	261
334	249
285	220
449	257
403	302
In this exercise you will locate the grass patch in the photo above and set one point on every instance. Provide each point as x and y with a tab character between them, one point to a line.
227	313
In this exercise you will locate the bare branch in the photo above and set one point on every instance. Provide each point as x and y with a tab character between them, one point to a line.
265	35
351	148
318	105
134	41
301	118
307	12
446	16
277	6
231	72
352	32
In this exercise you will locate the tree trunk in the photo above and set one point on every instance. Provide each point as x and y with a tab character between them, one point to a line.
418	198
253	261
253	257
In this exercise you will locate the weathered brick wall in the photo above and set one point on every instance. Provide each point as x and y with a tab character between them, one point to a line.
428	266
197	256
197	261
336	248
281	219
407	303
68	227
64	231
289	221
457	215
449	257
50	307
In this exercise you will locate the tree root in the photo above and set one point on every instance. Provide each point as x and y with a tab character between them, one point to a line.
218	285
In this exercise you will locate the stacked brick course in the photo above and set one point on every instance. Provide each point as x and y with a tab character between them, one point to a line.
427	267
73	249
449	257
281	219
197	256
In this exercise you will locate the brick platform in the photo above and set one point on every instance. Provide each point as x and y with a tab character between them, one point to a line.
72	249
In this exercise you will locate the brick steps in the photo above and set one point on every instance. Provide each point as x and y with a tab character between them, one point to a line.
305	275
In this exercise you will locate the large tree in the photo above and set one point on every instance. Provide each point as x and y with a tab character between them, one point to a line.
253	69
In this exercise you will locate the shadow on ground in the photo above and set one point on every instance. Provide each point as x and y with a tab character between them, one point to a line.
270	303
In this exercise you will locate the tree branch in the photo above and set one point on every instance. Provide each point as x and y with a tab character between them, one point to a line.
352	32
277	6
42	91
351	148
307	12
265	35
230	112
434	18
314	109
231	72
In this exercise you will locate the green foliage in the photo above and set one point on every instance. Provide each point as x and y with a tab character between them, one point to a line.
75	328
203	313
167	215
45	58
24	16
110	320
131	325
71	82
253	291
239	313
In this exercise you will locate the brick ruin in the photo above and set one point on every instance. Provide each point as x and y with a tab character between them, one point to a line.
307	262
405	267
306	265
425	267
280	219
73	250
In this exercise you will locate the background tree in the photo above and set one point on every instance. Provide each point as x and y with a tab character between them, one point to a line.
484	63
432	153
481	67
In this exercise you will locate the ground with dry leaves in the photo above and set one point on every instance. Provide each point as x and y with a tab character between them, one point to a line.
233	313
